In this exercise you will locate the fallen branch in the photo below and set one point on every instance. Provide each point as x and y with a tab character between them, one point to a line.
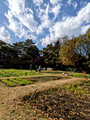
32	95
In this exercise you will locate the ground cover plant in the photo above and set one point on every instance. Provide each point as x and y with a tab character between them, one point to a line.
18	81
15	82
24	80
84	75
16	73
82	88
8	83
68	103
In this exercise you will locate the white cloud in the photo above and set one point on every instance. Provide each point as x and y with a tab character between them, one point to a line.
18	28
85	28
17	7
84	14
69	2
21	19
46	22
83	3
69	26
55	1
41	19
43	14
46	41
37	2
56	10
13	24
75	5
4	35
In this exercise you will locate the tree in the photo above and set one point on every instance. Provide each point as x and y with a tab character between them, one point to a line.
68	53
18	54
26	51
76	51
8	56
51	54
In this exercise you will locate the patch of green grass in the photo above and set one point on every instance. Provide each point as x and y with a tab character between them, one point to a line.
80	75
14	82
18	82
16	73
24	80
77	74
11	84
80	88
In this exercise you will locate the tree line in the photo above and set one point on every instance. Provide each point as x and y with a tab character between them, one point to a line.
18	54
64	54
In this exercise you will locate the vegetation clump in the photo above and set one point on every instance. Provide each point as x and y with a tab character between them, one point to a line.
83	75
15	82
8	83
79	89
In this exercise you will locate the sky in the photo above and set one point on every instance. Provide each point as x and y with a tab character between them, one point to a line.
43	21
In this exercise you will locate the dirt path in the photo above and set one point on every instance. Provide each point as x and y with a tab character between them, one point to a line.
8	95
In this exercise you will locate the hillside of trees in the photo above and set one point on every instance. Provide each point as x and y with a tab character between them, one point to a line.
64	54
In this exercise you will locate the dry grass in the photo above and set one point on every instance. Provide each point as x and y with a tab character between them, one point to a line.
9	95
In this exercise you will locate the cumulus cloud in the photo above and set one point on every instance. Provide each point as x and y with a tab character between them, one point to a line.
55	1
69	26
21	19
4	35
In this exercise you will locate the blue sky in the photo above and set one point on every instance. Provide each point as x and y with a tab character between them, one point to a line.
43	21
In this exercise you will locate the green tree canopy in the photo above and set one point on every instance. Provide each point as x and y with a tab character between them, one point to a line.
26	50
51	54
17	54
